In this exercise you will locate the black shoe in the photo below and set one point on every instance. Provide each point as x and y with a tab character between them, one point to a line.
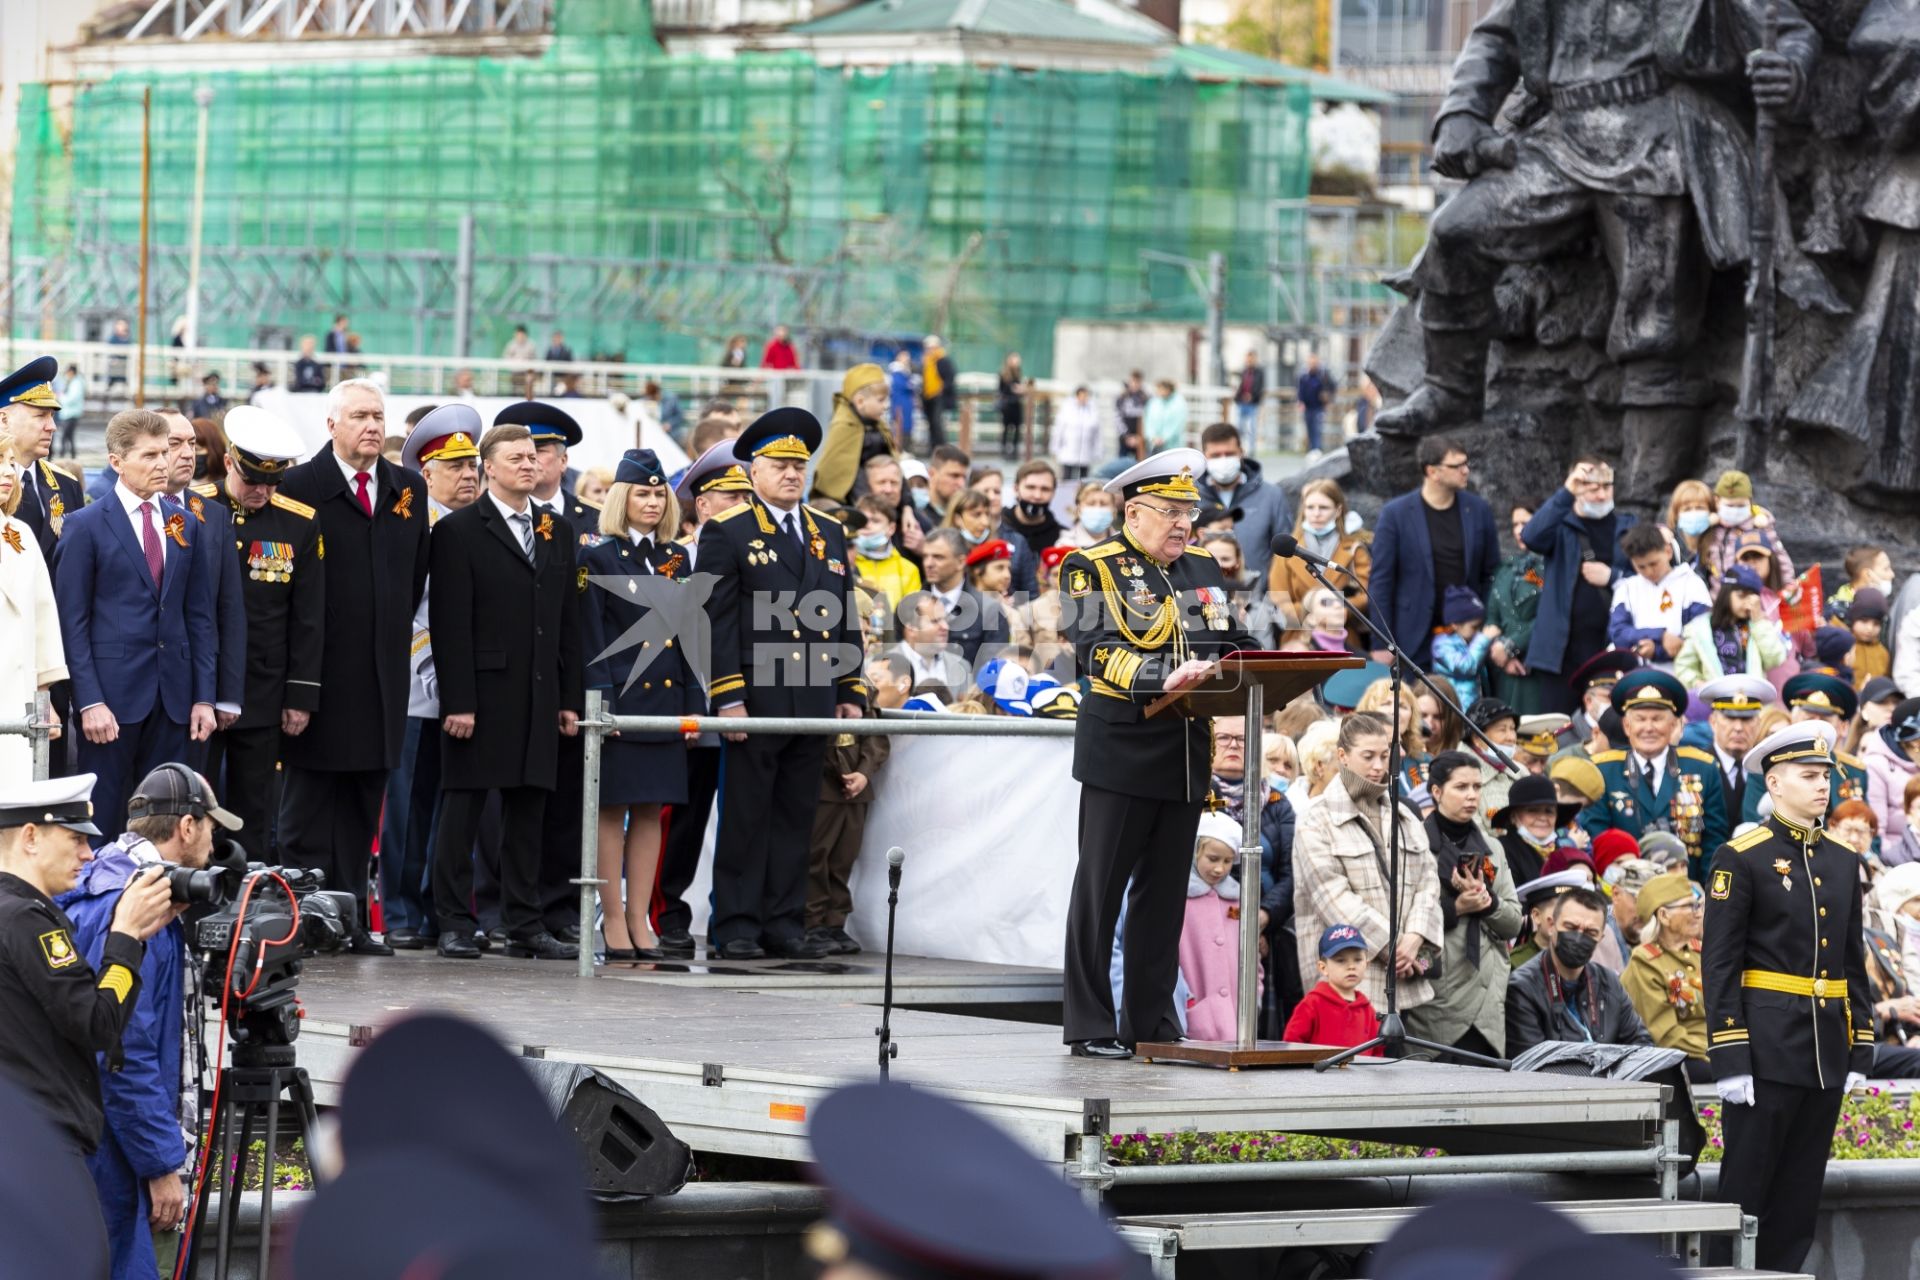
365	944
408	940
740	949
807	948
621	955
678	943
542	946
843	943
567	933
1109	1049
458	946
496	938
482	941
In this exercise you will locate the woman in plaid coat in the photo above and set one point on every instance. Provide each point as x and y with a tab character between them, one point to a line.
1339	869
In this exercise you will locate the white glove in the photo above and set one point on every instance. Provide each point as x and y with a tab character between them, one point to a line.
1855	1082
1735	1090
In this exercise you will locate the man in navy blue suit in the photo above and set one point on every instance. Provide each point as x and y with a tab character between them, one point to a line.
220	569
1436	537
137	621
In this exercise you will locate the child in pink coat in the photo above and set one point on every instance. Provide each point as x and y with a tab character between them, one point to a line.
1210	939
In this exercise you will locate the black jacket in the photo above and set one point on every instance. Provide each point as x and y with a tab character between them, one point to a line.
1533	1017
786	630
378	569
609	614
1105	590
506	645
58	1013
229	609
42	487
283	588
1783	907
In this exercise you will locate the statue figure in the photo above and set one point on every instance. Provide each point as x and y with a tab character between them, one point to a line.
1868	388
1620	136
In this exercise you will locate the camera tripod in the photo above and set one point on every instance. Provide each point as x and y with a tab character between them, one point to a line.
252	1089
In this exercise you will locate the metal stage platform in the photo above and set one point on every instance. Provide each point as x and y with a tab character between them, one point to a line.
733	1057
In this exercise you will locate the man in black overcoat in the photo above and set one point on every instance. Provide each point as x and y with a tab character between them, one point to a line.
505	617
373	535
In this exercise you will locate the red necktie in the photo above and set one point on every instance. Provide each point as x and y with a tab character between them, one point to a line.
150	541
360	493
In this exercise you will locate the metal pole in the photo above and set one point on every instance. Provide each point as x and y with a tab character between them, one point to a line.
203	98
1642	1160
146	193
1217	316
41	735
463	289
1249	1006
947	725
592	725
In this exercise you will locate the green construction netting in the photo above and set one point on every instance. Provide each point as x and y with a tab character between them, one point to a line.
650	206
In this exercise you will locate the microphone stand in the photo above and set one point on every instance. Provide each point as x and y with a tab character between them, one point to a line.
1393	1037
888	1049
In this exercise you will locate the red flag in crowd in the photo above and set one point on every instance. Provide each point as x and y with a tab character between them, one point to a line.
1803	604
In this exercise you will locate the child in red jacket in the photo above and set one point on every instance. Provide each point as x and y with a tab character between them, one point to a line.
1334	1012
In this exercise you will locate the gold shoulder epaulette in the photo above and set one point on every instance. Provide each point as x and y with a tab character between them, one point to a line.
1609	757
591	506
1101	550
1759	835
822	515
1194	550
207	489
1696	754
300	509
684	542
732	512
1852	762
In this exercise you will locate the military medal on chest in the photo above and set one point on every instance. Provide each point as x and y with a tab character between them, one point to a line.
1784	868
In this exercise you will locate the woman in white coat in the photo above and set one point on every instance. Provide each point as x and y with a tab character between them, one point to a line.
33	657
1076	434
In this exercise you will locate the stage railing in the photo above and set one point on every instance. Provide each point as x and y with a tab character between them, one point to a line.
36	725
596	724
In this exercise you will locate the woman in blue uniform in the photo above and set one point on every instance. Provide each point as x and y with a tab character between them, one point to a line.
646	674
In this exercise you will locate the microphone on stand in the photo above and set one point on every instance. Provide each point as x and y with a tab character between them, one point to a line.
896	858
1287	547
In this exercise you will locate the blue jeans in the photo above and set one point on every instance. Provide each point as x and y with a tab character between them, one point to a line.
1315	419
1247	418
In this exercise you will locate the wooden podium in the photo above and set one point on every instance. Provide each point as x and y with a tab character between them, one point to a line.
1247	684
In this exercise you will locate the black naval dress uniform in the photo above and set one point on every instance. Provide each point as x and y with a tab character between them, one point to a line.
780	655
1784	961
1133	621
284	590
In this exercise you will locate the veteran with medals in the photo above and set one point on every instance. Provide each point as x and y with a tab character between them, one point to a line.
1789	1011
1652	785
1146	612
277	541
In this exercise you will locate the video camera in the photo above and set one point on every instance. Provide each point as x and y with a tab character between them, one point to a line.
288	916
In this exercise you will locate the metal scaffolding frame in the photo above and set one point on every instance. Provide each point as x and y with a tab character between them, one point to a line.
337	19
1328	263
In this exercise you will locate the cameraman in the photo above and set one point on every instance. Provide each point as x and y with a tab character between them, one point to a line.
56	1012
1481	911
171	818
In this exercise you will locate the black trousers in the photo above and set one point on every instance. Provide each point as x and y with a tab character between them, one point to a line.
123	764
1149	842
766	829
686	835
936	417
327	824
521	809
1776	1159
243	765
560	837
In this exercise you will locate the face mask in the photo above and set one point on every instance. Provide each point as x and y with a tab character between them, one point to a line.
1594	510
1097	519
1695	523
1277	783
1735	513
922	498
1573	949
1543	843
1318	530
872	545
1033	512
1224	469
973	539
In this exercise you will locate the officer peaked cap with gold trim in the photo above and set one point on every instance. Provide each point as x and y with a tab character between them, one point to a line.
1168	474
546	423
1741	696
32	384
715	471
54	802
1649	687
262	444
1809	741
786	432
1822	694
444	435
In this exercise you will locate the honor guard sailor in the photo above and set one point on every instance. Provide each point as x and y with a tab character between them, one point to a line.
1789	1011
1146	612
